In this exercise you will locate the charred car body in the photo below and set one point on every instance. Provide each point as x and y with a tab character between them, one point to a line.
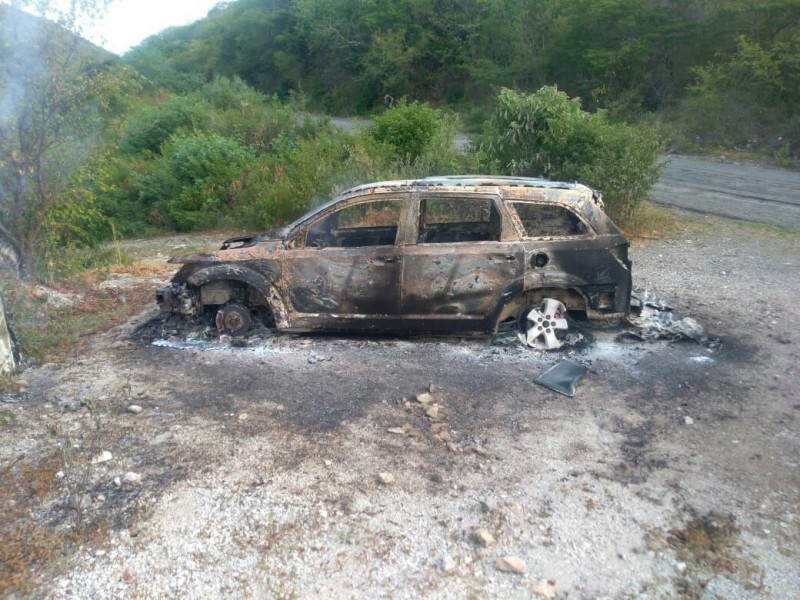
441	254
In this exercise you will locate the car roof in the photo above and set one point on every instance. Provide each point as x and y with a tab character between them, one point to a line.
467	181
445	183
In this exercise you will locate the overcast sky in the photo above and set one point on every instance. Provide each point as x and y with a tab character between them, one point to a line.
128	22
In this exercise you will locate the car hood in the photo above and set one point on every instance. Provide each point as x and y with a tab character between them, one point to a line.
266	242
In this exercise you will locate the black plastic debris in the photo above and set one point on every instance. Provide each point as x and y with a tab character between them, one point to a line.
563	377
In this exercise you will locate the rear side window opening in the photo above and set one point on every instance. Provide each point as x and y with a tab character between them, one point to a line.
548	220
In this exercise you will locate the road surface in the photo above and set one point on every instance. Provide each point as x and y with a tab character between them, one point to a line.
736	190
744	191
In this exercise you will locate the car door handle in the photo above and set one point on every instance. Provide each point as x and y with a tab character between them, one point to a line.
388	259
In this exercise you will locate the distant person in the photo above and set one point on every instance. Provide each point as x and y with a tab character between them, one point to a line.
388	100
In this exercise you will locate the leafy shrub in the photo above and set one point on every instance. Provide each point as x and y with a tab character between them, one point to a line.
547	134
748	98
76	221
408	128
150	128
195	182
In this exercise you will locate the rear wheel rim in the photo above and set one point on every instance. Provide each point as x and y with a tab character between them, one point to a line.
541	325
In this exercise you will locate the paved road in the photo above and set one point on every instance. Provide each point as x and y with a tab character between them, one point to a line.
744	191
730	189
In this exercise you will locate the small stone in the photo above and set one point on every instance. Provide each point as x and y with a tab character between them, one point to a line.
478	449
432	411
510	564
424	398
135	409
104	456
431	388
280	407
162	437
386	478
22	385
100	498
117	482
447	564
688	420
328	463
244	417
680	567
60	475
69	404
397	430
544	589
483	537
132	478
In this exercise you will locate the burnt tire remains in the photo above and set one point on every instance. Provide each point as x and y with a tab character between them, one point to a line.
234	320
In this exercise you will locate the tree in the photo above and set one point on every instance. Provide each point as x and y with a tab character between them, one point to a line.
53	88
547	134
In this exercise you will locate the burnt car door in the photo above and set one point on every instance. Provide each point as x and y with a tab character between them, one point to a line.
463	260
342	268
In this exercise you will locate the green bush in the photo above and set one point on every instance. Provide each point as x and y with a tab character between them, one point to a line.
748	98
196	181
76	220
547	134
151	127
408	128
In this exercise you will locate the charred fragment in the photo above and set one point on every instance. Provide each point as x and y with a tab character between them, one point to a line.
438	254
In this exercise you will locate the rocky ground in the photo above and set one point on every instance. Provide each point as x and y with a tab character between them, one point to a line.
316	466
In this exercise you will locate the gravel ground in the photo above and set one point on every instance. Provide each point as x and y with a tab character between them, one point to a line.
304	466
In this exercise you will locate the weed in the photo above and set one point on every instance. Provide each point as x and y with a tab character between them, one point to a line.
652	221
7	418
51	331
26	547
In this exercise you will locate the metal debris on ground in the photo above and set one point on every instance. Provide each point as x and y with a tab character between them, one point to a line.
563	377
653	319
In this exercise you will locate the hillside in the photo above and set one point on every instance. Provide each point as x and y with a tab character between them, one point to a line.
628	55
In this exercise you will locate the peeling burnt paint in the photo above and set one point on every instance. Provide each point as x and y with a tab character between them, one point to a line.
386	256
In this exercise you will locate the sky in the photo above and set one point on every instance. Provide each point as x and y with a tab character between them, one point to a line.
129	22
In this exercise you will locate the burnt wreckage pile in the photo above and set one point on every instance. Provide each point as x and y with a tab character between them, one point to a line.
442	254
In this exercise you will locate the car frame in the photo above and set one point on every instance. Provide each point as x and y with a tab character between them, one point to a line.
440	254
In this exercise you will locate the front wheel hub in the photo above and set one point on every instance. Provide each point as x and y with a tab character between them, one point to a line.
233	320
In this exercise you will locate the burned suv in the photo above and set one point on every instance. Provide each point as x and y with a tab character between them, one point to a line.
442	254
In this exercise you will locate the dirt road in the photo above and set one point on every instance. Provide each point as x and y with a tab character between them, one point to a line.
736	190
305	466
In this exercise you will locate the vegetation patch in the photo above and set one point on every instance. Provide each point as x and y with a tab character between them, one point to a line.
27	547
547	134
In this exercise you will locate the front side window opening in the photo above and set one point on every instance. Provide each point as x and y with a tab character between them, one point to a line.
455	220
372	223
